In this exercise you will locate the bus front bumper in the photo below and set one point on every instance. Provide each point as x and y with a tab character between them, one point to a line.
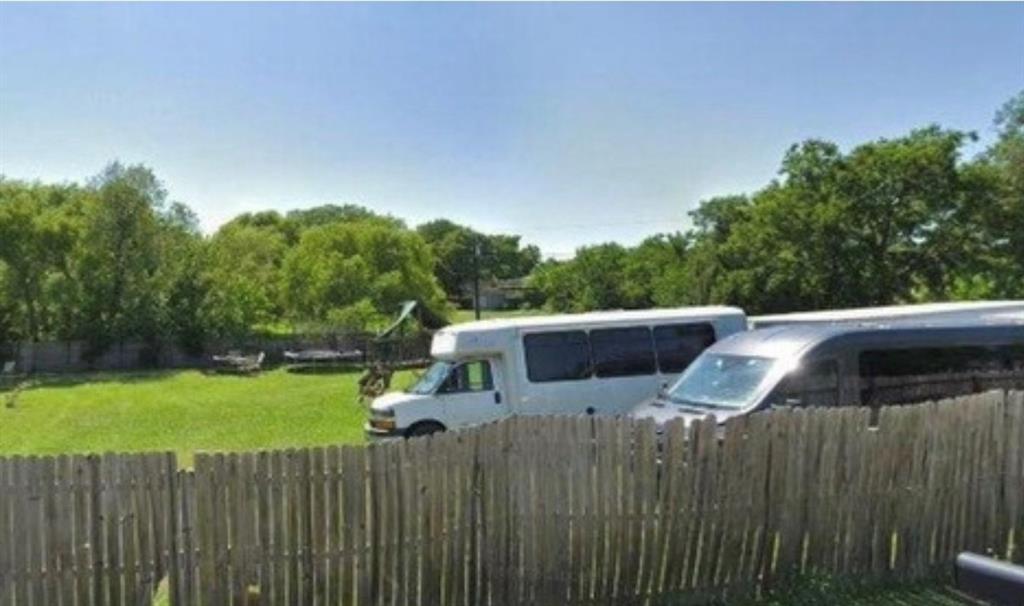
376	434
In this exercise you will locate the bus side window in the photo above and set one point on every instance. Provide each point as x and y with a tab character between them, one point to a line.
679	344
622	352
816	384
558	356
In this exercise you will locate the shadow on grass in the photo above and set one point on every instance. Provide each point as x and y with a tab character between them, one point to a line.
814	590
38	381
313	369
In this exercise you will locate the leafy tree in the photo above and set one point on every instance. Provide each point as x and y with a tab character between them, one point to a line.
1007	155
333	213
898	191
655	272
8	311
995	211
134	176
595	278
504	256
459	249
887	221
555	282
341	265
715	217
233	306
358	316
891	220
116	264
36	233
182	289
601	270
243	268
839	230
270	221
186	294
454	248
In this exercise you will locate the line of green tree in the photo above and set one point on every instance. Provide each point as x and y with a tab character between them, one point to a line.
889	221
892	220
112	259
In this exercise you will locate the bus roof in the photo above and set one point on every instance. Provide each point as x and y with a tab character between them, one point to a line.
893	313
793	339
596	318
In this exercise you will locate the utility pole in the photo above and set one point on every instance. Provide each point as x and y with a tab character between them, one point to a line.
476	279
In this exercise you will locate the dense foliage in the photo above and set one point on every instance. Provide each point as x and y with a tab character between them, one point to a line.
113	260
462	252
892	220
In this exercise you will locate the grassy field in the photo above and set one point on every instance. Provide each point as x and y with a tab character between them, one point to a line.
817	593
186	411
183	411
820	591
919	595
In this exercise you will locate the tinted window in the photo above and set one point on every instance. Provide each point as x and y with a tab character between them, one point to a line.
679	344
815	384
903	376
939	360
622	352
557	356
469	377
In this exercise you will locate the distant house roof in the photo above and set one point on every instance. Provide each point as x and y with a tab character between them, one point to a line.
494	285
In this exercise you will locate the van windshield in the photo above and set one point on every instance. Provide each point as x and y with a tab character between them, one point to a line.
721	381
431	379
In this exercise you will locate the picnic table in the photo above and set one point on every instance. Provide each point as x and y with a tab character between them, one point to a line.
238	363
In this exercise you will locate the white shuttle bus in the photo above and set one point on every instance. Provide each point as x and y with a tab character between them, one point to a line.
592	363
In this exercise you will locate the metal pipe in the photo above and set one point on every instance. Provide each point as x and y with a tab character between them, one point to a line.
996	582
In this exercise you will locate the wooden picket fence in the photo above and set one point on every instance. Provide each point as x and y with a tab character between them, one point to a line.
528	511
81	530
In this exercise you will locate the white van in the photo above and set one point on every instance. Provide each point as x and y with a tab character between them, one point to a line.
844	364
592	363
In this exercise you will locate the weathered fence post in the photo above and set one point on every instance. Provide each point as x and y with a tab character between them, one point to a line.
547	510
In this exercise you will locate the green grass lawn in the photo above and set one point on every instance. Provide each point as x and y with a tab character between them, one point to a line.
187	411
820	591
183	411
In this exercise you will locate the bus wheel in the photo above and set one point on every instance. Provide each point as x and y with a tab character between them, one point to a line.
424	428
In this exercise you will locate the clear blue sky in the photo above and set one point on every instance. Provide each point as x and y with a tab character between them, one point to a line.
570	124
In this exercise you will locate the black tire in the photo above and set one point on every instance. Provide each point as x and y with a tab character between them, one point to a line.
424	428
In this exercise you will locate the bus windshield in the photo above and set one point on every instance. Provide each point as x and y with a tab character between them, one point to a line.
721	381
430	380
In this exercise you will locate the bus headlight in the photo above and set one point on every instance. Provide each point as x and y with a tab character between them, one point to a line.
383	423
383	419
